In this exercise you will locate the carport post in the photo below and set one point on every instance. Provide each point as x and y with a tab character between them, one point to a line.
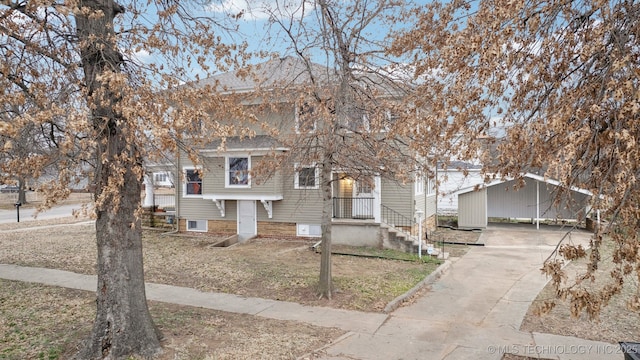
537	205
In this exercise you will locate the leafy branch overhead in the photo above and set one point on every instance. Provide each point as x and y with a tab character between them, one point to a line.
561	80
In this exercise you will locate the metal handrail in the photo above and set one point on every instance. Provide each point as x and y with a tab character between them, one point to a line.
397	220
353	208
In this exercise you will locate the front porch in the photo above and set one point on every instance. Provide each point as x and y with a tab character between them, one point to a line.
359	222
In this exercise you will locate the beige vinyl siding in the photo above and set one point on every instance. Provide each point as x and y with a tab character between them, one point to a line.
306	209
281	117
431	205
398	197
472	209
298	205
215	173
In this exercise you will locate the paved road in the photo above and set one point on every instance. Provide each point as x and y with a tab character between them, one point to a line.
26	214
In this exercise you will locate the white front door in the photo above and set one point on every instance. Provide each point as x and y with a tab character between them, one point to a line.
247	226
362	204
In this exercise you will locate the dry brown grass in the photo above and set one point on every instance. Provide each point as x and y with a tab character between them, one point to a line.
616	323
53	323
268	268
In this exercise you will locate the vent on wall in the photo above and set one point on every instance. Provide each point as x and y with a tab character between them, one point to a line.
311	230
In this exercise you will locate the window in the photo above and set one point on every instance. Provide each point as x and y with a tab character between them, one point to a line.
193	182
161	177
419	185
306	115
197	225
307	177
431	186
364	186
390	118
238	171
357	121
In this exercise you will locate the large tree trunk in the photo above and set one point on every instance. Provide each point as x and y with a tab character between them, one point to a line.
123	325
325	286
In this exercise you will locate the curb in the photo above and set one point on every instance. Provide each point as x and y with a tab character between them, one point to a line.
428	280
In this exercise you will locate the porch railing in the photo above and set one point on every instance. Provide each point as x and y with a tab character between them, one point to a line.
397	220
164	200
352	208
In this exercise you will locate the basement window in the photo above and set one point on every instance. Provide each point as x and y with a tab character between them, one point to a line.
197	225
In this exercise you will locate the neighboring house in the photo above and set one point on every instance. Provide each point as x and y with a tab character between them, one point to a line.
534	201
160	176
457	176
223	194
163	179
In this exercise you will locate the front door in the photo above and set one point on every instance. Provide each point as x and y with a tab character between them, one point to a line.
362	206
247	227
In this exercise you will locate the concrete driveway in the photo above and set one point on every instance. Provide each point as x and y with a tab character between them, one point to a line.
475	310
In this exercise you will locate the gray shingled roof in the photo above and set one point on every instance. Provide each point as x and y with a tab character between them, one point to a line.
292	71
280	72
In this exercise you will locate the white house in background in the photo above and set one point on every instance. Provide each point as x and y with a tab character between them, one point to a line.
163	179
452	180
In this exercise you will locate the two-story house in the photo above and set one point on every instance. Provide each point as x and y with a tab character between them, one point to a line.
224	194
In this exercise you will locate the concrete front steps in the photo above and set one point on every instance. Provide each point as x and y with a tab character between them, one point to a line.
393	238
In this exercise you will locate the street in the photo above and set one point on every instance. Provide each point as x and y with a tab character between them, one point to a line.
26	214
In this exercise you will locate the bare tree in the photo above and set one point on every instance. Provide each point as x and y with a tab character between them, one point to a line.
562	76
114	106
347	96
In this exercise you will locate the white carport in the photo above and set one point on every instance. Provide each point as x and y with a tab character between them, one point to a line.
533	201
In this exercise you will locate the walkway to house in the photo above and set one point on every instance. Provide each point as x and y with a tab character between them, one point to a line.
473	311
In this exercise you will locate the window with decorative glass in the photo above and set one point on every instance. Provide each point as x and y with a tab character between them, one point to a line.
193	182
306	117
238	171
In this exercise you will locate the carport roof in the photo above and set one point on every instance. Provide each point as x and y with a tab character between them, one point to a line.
527	175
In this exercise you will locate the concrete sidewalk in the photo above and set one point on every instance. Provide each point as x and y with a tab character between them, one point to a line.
473	311
360	322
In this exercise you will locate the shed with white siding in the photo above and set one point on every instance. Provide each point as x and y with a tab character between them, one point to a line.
534	201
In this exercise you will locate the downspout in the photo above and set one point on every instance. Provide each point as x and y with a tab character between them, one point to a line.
178	182
435	183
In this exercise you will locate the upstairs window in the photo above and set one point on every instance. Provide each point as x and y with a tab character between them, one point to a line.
307	177
238	171
306	118
431	186
419	185
357	121
161	177
193	179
